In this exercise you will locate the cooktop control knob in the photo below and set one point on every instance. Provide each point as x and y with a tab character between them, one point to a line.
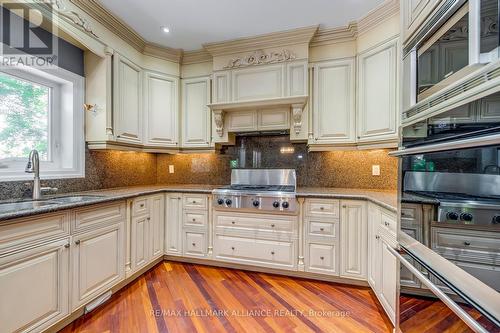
467	217
229	202
452	216
256	203
276	204
496	219
220	201
285	204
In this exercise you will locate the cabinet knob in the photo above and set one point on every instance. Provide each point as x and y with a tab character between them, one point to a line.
149	219
232	222
272	225
194	201
272	253
377	237
322	258
67	246
386	224
142	205
344	206
194	220
232	248
321	229
466	243
77	242
194	244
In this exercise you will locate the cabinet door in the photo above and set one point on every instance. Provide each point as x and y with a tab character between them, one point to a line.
127	100
140	245
161	110
196	120
353	239
414	13
156	225
334	112
221	87
374	247
173	225
34	288
378	93
98	263
489	109
387	293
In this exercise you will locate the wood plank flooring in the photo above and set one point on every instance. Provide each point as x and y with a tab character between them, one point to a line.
178	297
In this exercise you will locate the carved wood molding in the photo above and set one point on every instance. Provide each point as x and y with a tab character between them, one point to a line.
260	58
219	122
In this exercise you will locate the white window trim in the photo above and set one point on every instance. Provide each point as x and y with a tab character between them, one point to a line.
69	90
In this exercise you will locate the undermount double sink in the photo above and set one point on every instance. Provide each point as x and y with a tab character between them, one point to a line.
14	206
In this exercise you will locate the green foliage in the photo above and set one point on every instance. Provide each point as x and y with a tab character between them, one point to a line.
23	117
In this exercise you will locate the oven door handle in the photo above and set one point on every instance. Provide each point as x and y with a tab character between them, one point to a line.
475	142
473	324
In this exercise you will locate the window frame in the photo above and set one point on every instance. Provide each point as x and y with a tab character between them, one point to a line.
66	155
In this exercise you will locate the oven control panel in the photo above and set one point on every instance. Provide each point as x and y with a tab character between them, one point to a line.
256	203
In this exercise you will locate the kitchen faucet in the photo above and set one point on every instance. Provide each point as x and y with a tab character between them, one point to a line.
33	166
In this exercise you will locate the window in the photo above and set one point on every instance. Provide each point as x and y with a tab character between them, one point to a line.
42	110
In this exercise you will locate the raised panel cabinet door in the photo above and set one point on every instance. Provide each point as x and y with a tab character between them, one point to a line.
353	239
161	110
127	100
334	102
387	294
140	242
34	288
221	87
196	116
297	78
98	261
156	225
374	247
378	93
489	109
173	224
260	82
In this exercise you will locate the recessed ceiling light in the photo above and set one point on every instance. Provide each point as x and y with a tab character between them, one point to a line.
165	29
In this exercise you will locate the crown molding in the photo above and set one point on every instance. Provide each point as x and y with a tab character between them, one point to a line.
378	15
163	52
335	35
196	56
275	39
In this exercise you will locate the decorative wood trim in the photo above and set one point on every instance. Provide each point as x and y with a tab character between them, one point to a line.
196	56
260	58
163	52
281	101
275	39
335	35
378	15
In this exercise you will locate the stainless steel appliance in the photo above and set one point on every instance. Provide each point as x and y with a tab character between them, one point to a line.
450	261
259	190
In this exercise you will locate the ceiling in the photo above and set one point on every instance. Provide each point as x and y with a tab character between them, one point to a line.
195	22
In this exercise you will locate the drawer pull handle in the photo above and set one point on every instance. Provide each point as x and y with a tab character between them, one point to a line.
232	248
466	243
272	225
321	229
77	242
272	253
194	244
321	208
232	222
322	258
67	246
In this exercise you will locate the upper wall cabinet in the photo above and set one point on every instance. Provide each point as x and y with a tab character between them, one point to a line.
334	102
378	93
127	100
414	13
161	110
196	119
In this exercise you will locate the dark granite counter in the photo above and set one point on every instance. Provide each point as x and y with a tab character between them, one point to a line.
387	199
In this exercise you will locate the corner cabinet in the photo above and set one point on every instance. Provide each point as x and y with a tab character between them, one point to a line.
196	116
334	102
127	100
378	93
161	110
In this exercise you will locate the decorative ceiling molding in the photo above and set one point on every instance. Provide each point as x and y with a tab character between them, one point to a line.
335	35
195	57
163	52
260	58
275	39
378	15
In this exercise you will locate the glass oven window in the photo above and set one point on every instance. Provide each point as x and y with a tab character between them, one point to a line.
444	53
489	26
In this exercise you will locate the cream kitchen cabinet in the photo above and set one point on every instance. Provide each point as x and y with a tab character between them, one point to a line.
161	121
414	13
173	224
334	102
353	239
146	231
377	113
127	100
196	116
195	225
34	287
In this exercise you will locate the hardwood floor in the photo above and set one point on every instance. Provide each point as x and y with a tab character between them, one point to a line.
177	297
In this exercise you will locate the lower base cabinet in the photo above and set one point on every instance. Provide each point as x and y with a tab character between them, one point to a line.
34	287
353	239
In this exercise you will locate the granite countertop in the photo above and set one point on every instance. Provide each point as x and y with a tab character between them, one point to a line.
387	199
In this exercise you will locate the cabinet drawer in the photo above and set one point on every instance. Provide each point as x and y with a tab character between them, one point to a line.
195	244
322	258
199	201
474	246
20	233
255	251
388	222
195	218
99	216
323	207
257	222
321	228
140	206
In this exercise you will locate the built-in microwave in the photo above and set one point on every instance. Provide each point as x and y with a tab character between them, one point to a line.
459	39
